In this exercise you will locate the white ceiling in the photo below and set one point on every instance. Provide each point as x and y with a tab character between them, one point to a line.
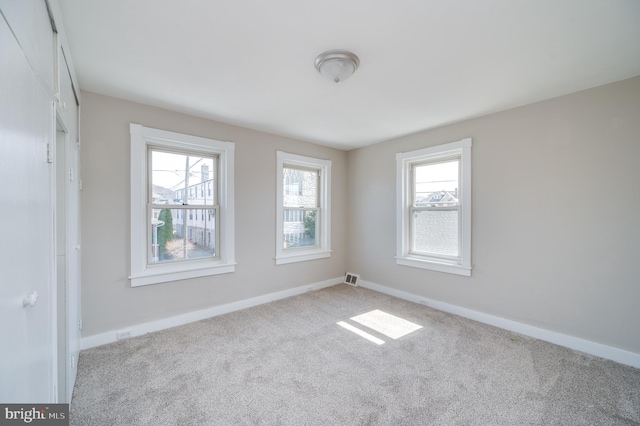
423	63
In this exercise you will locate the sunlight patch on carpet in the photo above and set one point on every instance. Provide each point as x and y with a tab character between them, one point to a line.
387	324
361	333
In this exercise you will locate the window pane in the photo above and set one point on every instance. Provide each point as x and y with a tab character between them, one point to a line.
300	228
300	188
436	185
171	240
435	232
181	178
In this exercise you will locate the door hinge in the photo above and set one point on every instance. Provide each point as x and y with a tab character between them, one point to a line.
70	175
50	153
80	185
79	324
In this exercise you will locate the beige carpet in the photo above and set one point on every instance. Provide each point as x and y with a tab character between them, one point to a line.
290	363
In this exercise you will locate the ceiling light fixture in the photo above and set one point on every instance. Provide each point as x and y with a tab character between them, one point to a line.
337	65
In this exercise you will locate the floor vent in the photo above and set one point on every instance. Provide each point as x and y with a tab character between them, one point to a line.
351	279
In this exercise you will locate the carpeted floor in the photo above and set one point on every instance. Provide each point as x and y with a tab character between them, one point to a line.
290	363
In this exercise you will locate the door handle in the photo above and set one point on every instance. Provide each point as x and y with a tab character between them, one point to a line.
30	300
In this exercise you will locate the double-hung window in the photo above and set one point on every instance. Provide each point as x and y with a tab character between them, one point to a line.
303	212
434	208
179	230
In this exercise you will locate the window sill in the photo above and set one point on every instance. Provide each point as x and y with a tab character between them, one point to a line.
434	266
164	275
302	257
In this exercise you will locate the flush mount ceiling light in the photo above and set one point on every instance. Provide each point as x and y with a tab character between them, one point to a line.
337	65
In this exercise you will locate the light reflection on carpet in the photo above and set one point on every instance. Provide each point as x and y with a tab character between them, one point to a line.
382	322
361	333
387	324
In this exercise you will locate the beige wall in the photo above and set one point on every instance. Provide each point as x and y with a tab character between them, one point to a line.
108	301
556	215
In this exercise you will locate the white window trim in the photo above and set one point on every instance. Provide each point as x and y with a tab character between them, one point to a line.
141	272
404	160
323	250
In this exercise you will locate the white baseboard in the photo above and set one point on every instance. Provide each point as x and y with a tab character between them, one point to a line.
140	329
587	346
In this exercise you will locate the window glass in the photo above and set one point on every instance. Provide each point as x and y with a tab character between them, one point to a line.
436	184
435	232
303	215
434	216
176	177
174	238
300	188
300	228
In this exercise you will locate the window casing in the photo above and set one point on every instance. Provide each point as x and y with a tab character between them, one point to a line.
303	222
170	217
434	208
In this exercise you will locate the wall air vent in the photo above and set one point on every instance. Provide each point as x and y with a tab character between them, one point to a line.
351	279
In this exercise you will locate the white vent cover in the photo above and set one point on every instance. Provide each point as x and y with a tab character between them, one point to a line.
351	279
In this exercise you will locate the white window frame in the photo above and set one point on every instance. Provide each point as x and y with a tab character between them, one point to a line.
323	249
404	187
144	273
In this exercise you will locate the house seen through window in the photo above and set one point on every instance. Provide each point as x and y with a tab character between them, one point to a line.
301	207
175	179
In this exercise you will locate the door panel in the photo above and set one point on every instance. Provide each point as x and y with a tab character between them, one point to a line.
69	116
26	251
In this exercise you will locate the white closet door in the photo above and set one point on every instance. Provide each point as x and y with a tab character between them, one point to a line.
27	343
